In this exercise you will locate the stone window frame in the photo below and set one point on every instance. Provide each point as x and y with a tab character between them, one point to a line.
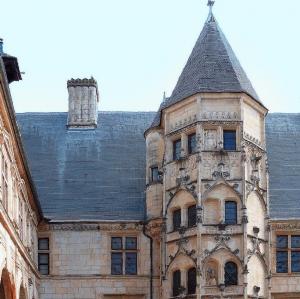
44	252
288	250
123	251
4	179
220	128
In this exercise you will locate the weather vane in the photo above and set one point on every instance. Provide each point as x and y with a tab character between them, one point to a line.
210	4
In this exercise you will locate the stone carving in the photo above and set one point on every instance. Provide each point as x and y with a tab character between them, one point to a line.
91	226
211	277
221	172
254	140
285	226
210	139
184	122
215	115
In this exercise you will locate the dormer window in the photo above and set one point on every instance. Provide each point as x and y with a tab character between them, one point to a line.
176	149
229	140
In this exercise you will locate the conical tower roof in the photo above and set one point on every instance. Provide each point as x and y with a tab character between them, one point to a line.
212	67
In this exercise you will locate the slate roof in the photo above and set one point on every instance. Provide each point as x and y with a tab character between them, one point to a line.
88	174
211	67
283	146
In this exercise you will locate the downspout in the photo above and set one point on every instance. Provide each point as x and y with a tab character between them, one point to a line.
151	260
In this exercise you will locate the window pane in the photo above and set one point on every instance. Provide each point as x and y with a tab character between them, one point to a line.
116	243
192	143
44	269
192	216
131	243
43	244
154	174
282	262
192	277
131	263
295	241
116	263
229	140
282	242
176	283
230	212
231	274
176	149
176	219
295	261
43	258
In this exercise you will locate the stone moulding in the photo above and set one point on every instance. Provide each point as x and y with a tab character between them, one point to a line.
91	226
285	226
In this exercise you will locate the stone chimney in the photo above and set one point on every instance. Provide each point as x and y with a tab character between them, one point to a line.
83	103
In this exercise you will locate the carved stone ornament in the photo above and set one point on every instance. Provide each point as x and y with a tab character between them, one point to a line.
221	172
91	226
285	226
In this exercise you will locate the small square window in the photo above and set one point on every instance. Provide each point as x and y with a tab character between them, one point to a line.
177	149
43	244
131	243
154	174
295	242
229	140
116	243
192	144
282	242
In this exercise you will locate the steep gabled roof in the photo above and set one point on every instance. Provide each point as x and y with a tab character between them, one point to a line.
88	174
211	67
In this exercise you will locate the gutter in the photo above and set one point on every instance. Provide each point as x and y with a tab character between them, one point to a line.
151	259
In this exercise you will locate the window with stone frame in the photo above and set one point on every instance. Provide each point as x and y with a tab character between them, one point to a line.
288	254
192	216
230	274
123	255
229	140
176	283
21	221
176	219
154	174
177	149
230	212
4	181
43	255
192	281
192	143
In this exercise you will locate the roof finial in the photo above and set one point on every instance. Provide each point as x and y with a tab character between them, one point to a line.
210	3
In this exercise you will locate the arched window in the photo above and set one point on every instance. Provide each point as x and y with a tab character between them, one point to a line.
230	212
176	283
176	219
192	281
192	216
231	274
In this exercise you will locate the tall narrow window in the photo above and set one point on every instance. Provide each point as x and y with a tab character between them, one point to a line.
192	144
282	254
192	281
192	216
229	140
295	254
176	283
231	274
230	212
176	219
176	149
154	174
21	222
43	255
4	182
123	255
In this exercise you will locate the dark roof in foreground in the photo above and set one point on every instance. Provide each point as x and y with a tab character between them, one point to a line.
88	174
211	67
283	146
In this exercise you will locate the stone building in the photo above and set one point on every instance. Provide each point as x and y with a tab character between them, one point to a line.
198	200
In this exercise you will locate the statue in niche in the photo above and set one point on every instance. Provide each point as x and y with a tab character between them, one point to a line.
211	277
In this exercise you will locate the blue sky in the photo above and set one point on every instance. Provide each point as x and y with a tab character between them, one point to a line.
136	49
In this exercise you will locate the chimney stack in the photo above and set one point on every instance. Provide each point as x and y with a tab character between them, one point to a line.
83	103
